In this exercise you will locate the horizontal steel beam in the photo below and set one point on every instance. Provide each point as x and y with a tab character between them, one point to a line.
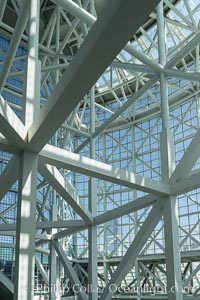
64	159
47	225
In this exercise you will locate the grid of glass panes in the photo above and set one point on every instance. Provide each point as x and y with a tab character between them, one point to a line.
115	147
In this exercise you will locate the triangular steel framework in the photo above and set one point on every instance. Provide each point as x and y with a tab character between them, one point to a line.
130	62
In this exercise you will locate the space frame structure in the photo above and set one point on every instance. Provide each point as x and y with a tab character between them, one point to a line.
100	146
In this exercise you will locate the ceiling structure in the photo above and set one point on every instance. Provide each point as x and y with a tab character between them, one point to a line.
99	122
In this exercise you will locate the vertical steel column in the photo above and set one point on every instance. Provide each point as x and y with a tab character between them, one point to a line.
137	275
53	274
92	230
197	84
27	195
25	233
171	227
105	250
172	251
137	268
31	103
55	265
60	270
162	61
57	39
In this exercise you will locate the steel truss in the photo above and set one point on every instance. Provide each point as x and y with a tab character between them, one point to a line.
99	118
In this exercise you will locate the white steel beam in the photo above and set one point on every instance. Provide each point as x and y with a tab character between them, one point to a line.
93	242
125	209
60	224
32	92
92	229
31	101
65	189
132	67
27	190
7	147
53	259
42	270
159	282
48	225
6	282
128	260
53	272
64	159
45	238
172	250
77	11
184	51
9	176
11	126
185	185
143	58
68	268
188	160
25	233
192	275
186	75
108	35
167	154
7	227
67	232
16	37
7	209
